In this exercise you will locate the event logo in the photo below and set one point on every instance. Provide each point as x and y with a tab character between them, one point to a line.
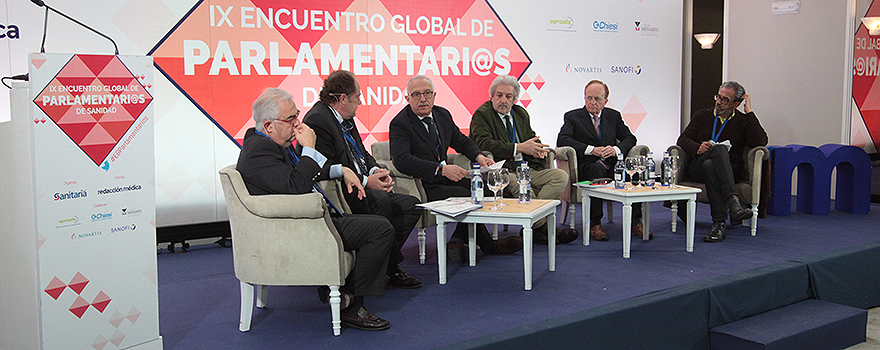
602	26
95	100
637	70
119	189
102	216
68	222
70	195
647	29
9	31
225	52
582	69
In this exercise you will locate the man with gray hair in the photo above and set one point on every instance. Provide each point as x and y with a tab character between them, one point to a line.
504	128
713	144
268	165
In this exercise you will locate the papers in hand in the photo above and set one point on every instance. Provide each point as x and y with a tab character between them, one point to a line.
487	169
725	143
451	206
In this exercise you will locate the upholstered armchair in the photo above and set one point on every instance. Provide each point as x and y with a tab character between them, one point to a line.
566	159
282	240
749	192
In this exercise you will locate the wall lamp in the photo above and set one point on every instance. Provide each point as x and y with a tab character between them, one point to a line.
873	25
707	39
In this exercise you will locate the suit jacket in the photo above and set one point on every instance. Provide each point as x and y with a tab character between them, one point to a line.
330	140
578	132
413	150
489	132
265	168
743	130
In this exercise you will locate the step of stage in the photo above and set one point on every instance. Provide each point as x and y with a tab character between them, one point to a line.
809	324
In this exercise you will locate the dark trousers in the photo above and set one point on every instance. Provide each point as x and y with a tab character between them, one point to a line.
399	209
460	188
713	169
371	237
590	171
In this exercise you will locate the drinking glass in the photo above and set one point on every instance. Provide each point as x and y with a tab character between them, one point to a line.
674	165
641	162
505	177
495	183
631	168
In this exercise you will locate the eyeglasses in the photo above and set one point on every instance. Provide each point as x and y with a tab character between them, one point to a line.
290	120
418	95
724	100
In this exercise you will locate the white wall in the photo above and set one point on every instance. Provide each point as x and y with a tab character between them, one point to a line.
794	66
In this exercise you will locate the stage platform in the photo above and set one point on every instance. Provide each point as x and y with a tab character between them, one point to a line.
661	297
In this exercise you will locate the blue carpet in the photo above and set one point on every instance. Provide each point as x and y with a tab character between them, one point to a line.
199	294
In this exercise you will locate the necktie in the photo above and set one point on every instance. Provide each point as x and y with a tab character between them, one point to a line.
596	126
295	160
356	155
432	129
511	132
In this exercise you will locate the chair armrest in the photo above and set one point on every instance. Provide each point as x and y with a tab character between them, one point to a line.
333	188
292	206
755	158
566	159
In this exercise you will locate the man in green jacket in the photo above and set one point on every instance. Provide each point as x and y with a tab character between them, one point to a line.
503	128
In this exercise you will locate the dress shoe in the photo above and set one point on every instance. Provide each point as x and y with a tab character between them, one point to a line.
737	212
598	234
735	222
507	245
345	297
364	320
566	235
638	230
456	251
401	279
717	233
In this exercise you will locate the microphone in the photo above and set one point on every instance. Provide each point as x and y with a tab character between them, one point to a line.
41	3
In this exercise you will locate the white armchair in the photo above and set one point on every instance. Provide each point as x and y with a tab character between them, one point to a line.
282	240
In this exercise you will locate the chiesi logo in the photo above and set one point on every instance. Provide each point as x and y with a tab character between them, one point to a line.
582	69
124	228
119	189
102	216
646	29
67	222
86	235
70	195
626	70
602	26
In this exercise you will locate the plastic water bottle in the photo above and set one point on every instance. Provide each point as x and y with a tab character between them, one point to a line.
619	171
477	185
651	169
664	170
525	183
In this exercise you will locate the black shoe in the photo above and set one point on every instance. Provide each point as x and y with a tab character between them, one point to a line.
737	212
566	235
345	297
456	251
364	320
396	277
507	246
735	222
717	233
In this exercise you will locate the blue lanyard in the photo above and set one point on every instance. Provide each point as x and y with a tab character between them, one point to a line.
723	124
351	141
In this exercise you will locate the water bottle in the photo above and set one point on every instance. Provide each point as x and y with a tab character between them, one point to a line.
650	169
665	173
619	171
477	185
525	183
